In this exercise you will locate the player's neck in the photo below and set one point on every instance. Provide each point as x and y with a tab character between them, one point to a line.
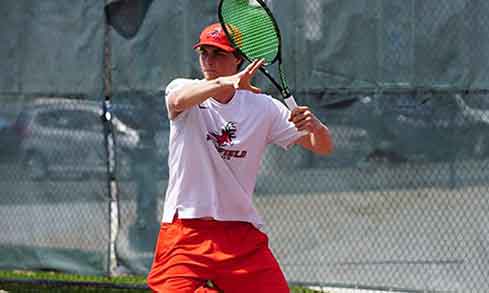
224	99
225	95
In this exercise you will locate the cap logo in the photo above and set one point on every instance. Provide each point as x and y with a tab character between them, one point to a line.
215	34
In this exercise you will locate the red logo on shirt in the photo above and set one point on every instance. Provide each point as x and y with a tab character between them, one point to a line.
224	139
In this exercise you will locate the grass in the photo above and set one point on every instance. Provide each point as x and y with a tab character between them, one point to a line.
43	282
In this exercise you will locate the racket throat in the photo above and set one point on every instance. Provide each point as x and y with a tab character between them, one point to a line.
285	93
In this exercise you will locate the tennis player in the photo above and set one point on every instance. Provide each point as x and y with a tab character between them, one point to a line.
219	129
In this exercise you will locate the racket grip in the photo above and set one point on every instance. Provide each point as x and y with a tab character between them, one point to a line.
290	102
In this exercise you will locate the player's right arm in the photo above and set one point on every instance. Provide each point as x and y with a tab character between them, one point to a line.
195	92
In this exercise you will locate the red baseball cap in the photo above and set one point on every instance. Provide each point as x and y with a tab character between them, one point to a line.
214	35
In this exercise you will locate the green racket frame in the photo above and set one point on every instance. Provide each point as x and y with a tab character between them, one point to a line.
283	86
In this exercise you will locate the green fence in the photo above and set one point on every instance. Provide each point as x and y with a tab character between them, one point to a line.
403	86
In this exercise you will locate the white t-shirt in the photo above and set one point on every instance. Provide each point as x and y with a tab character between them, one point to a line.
215	152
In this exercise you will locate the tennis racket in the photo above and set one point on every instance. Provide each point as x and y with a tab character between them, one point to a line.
254	33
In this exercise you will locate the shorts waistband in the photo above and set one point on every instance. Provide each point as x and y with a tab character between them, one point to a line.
206	222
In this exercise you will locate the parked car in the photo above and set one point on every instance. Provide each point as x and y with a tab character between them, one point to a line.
402	128
149	120
8	135
6	144
57	136
3	123
436	129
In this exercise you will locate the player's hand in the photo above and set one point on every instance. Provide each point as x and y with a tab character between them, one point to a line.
242	79
305	120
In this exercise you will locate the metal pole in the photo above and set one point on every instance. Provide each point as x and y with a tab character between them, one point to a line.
110	151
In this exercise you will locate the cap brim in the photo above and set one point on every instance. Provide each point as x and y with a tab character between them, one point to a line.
220	46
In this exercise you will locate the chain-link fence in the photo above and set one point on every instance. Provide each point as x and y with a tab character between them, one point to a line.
403	86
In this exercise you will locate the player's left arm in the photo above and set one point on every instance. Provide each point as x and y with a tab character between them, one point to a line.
318	138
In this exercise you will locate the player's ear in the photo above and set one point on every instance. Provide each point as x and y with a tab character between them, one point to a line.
239	61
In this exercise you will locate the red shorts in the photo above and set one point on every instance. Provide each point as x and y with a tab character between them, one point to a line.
233	255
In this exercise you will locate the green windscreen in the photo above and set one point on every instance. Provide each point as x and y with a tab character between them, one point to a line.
251	29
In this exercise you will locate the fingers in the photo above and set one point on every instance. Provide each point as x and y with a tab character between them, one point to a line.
255	89
307	124
254	66
304	119
299	113
257	64
245	76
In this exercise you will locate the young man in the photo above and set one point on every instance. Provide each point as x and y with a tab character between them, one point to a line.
220	127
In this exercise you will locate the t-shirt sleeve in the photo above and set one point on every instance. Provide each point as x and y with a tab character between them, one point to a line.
175	85
282	132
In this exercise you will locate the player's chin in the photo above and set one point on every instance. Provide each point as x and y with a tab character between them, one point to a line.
210	74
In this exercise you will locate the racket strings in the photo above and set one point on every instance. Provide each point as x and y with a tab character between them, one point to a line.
257	45
252	30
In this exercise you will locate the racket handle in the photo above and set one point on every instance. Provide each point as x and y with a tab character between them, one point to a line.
290	102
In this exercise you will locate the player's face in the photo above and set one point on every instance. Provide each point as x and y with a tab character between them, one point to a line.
215	62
